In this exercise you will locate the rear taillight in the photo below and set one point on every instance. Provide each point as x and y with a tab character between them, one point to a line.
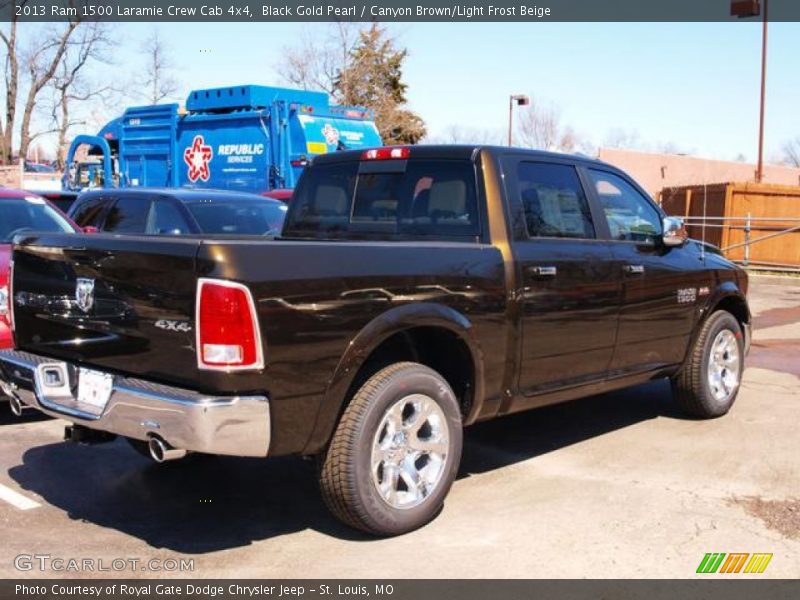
5	308
228	336
6	299
385	154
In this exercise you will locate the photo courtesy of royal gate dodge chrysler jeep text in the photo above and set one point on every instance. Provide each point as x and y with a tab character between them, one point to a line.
413	291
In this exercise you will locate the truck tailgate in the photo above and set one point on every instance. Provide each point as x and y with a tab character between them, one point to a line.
112	302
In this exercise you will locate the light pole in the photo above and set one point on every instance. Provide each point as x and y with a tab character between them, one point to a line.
752	8
519	100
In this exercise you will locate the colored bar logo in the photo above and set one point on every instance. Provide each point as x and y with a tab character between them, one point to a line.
736	562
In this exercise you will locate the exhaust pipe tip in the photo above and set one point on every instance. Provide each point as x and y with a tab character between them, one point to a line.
161	451
16	405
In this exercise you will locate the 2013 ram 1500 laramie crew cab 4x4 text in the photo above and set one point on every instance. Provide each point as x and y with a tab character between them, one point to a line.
413	291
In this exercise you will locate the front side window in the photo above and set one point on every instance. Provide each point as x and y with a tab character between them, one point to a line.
553	200
630	216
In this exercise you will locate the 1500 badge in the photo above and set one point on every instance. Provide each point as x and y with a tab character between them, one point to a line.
166	325
687	295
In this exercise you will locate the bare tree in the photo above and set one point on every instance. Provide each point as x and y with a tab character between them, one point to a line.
93	45
11	76
622	138
160	83
456	134
791	152
41	62
316	62
539	126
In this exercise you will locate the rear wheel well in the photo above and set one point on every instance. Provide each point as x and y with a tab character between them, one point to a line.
436	347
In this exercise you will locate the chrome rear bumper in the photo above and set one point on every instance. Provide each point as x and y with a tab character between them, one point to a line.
139	409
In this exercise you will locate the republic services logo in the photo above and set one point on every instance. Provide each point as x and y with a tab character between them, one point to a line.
197	156
331	134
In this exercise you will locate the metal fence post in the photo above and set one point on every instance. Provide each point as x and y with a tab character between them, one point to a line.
747	241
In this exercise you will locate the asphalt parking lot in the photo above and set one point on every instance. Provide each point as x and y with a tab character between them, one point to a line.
618	485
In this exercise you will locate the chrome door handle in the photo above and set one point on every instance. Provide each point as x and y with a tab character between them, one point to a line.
543	271
634	269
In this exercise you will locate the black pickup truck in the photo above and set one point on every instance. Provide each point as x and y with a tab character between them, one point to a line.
413	291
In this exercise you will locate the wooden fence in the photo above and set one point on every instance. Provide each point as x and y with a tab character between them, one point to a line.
730	214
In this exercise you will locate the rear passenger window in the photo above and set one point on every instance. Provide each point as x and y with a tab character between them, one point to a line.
553	200
167	219
90	213
128	215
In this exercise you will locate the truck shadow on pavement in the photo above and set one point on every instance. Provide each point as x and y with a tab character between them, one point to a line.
204	504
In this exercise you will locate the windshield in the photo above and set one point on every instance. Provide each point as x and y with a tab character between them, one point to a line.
239	217
19	215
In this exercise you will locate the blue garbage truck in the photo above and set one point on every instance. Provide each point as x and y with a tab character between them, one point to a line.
246	138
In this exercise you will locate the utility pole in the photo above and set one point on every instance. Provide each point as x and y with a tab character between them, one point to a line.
752	8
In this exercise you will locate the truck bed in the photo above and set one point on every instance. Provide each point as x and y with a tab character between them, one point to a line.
312	299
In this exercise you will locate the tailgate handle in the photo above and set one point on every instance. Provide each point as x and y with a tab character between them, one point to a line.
540	271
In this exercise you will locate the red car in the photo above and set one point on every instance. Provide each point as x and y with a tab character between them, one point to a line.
279	194
22	211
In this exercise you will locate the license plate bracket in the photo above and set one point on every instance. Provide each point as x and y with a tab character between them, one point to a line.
94	388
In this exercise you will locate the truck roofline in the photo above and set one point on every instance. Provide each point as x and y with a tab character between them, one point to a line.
459	152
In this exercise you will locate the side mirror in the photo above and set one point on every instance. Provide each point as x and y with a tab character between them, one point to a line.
675	233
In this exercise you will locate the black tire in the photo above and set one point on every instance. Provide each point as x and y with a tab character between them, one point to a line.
691	386
346	475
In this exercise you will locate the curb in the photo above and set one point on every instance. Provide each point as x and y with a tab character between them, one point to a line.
758	278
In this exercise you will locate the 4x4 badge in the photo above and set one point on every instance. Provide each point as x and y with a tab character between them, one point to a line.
84	294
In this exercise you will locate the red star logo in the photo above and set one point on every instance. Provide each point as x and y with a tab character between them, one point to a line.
197	156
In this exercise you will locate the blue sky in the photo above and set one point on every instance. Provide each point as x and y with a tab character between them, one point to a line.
692	85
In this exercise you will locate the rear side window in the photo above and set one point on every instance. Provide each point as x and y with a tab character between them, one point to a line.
238	216
90	213
167	219
430	199
128	215
554	202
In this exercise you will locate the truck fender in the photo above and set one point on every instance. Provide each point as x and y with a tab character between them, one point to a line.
377	331
725	292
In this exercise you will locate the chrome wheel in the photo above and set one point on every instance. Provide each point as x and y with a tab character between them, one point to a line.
723	366
409	451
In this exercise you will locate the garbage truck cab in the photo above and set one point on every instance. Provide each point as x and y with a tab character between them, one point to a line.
245	138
